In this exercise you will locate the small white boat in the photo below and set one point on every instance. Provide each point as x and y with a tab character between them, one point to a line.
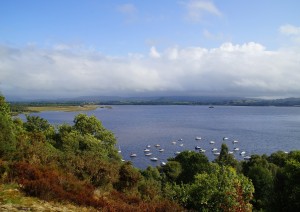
133	155
153	159
230	152
216	153
225	138
174	142
180	139
161	150
198	138
177	153
119	151
157	145
211	142
163	163
122	160
214	149
242	153
180	144
197	147
146	150
202	150
236	149
148	146
148	154
247	157
235	141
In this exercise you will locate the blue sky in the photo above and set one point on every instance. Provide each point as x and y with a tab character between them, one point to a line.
63	48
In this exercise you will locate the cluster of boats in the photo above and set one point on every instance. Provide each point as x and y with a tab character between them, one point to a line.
148	153
217	153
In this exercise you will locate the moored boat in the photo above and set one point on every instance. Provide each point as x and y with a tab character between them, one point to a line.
247	157
163	163
202	150
177	153
133	155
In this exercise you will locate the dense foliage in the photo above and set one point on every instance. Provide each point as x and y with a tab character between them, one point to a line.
79	163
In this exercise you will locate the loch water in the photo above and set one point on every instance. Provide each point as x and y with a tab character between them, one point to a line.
259	130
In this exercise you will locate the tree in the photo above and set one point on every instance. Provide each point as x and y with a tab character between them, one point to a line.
225	158
7	135
172	170
262	173
221	190
263	181
192	163
287	185
129	177
91	125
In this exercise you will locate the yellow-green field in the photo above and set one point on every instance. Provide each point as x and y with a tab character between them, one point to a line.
63	108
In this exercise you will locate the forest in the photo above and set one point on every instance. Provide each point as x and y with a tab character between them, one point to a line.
80	164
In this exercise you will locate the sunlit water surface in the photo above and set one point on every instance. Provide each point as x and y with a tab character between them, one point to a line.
259	130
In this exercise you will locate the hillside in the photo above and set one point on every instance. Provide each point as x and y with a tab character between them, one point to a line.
78	168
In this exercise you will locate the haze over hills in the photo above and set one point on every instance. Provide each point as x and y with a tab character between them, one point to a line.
164	100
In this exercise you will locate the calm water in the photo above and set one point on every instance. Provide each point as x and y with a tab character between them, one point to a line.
259	130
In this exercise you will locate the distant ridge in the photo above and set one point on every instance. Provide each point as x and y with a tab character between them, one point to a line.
166	100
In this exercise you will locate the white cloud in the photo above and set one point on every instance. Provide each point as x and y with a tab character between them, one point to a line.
127	9
289	30
197	9
154	53
244	70
292	32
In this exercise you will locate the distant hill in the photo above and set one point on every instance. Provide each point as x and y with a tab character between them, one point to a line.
165	100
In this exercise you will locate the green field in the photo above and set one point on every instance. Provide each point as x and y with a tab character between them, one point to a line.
62	108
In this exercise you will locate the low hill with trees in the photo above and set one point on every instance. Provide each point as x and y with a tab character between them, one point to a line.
78	166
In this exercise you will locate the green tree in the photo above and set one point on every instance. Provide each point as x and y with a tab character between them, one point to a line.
225	158
279	158
262	173
7	135
221	190
287	185
263	182
129	177
90	125
192	163
172	170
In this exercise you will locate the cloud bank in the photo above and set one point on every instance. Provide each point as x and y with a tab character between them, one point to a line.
231	69
197	9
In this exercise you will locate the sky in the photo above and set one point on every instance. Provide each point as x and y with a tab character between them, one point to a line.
71	48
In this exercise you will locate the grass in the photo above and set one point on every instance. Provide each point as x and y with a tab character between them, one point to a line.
63	108
12	199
